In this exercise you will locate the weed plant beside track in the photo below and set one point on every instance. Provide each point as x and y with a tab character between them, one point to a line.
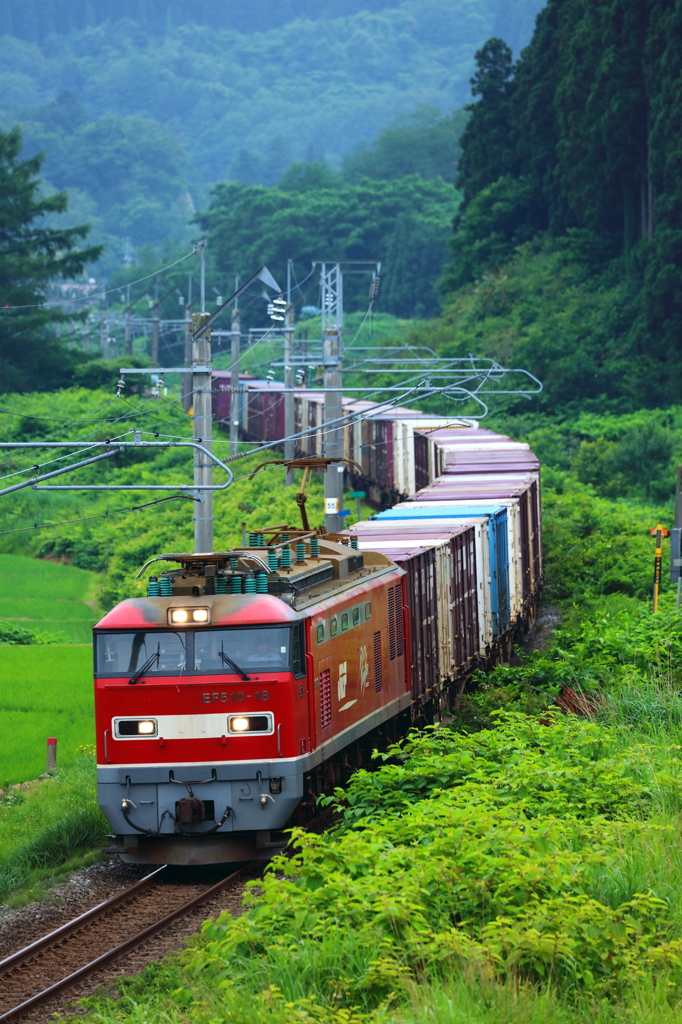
51	828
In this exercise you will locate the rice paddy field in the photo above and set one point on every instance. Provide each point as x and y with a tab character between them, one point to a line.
44	691
49	596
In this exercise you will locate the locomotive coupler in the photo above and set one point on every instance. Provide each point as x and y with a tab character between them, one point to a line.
191	811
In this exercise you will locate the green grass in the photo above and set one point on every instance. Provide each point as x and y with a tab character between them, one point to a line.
49	829
44	691
49	596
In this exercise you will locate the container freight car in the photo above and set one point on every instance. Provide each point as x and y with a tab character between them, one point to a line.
393	447
250	681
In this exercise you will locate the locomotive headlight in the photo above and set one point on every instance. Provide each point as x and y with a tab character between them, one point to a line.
130	728
180	616
241	724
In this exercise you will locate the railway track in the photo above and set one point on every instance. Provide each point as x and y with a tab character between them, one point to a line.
65	957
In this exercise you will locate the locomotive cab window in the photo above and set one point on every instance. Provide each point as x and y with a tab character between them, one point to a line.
334	626
368	610
320	633
156	652
250	649
139	655
356	616
344	621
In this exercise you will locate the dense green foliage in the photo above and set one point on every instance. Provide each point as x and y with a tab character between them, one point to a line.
499	854
405	223
89	532
424	143
31	256
577	144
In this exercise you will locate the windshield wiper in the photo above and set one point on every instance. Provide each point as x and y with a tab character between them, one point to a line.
234	665
147	665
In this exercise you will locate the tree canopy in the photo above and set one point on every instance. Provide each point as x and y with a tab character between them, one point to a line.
579	142
405	223
31	257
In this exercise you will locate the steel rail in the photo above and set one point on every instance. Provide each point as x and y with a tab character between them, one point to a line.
131	943
28	952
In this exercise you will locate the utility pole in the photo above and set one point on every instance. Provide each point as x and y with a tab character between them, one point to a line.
104	330
129	332
289	397
235	355
331	283
203	422
155	326
187	385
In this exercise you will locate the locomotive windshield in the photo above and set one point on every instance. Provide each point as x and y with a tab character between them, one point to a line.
264	649
165	653
126	653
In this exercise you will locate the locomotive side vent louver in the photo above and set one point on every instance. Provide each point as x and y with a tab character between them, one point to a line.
325	698
378	678
399	630
391	622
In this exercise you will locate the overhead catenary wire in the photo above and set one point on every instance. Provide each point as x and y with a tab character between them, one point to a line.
100	515
109	291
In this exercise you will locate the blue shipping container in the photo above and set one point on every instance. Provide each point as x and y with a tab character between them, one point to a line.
498	544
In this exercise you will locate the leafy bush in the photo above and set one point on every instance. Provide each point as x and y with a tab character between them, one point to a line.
11	634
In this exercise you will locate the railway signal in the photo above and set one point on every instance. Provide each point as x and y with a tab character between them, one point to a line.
659	532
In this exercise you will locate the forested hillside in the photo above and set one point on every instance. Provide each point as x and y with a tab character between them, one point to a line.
141	106
566	253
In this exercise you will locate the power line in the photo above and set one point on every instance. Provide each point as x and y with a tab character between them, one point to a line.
110	291
101	515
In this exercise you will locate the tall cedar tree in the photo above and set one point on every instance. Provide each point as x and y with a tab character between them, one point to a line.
31	256
581	138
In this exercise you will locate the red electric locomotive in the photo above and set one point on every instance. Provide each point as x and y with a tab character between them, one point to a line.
245	684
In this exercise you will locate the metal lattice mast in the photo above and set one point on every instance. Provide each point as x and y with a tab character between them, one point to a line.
289	397
331	301
235	355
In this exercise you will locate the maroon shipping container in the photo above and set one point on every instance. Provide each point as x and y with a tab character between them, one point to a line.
435	653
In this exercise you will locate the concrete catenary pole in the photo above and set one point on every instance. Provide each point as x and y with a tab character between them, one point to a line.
203	425
289	397
104	329
155	327
235	355
129	326
187	377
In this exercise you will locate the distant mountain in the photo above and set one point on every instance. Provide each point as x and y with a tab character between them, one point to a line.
141	105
